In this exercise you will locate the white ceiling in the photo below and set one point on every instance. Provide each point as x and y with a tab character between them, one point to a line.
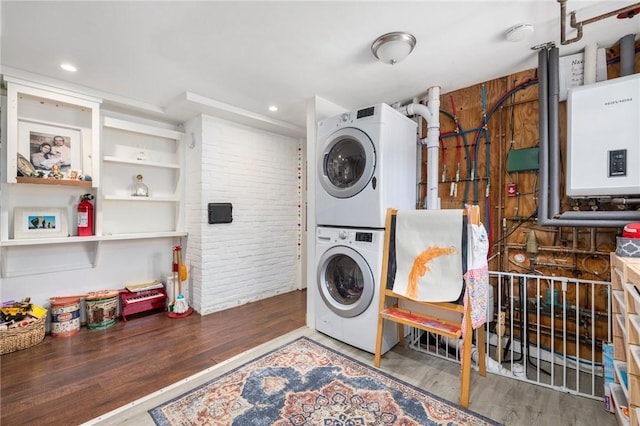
250	55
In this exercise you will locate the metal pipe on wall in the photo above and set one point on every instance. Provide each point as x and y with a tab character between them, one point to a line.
419	163
543	131
549	194
554	131
627	55
431	113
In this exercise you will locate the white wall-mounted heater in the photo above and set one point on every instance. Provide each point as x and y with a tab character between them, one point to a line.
603	138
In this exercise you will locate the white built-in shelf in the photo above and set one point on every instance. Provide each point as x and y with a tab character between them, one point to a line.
112	159
139	236
91	246
92	238
113	151
40	241
130	126
155	151
147	199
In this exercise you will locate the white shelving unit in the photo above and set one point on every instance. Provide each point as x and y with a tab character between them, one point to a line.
130	149
112	153
36	111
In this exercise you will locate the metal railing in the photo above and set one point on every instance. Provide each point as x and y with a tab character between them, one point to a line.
553	333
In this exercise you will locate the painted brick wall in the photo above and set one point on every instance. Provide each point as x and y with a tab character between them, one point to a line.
255	256
195	211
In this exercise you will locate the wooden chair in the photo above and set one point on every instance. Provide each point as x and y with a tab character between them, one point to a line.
431	322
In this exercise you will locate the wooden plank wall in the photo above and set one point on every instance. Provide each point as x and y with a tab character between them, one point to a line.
513	125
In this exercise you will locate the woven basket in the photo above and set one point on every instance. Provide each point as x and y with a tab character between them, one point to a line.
16	339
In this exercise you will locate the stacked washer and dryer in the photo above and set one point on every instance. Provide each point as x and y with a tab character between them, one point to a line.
366	163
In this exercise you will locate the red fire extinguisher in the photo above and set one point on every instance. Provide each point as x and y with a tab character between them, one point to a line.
85	216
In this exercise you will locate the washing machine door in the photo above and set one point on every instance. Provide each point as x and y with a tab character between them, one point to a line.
345	281
346	163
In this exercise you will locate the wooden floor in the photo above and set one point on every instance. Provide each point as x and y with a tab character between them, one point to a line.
70	380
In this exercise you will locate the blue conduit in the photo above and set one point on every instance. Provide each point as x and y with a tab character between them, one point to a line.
484	129
487	145
462	132
480	131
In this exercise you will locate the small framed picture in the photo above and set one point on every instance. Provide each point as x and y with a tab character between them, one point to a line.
39	222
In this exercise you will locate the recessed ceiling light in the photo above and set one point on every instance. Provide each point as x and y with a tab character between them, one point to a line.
273	108
68	67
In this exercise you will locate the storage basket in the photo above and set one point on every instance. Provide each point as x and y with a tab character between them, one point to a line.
18	338
628	247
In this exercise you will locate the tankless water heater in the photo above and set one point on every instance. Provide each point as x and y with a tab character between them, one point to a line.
603	138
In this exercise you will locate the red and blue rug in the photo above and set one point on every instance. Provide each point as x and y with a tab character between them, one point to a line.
306	383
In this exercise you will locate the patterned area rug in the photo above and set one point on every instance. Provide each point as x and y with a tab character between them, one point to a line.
306	383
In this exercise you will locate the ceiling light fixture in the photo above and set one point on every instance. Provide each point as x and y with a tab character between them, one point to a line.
519	32
68	67
392	48
273	108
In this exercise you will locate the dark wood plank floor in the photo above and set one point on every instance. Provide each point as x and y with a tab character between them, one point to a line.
70	380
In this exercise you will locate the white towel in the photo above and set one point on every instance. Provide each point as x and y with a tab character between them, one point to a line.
428	255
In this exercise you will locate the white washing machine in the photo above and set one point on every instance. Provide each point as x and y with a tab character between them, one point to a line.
349	262
366	163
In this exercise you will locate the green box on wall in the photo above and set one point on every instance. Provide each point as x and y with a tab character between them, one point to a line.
520	160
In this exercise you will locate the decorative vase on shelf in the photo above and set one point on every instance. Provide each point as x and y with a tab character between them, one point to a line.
140	189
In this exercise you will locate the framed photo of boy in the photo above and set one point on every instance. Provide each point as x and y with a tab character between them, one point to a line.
46	144
38	222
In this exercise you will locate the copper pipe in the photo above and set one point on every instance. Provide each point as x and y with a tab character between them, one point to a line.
551	249
563	25
578	25
605	15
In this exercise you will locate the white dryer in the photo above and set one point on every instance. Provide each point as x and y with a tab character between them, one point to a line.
366	163
349	263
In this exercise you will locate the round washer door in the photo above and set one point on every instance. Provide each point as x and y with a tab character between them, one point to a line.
345	281
346	162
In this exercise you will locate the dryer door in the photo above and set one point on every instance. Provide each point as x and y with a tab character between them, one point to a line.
345	281
346	163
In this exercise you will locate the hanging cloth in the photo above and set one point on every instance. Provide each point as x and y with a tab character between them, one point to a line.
428	251
477	277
